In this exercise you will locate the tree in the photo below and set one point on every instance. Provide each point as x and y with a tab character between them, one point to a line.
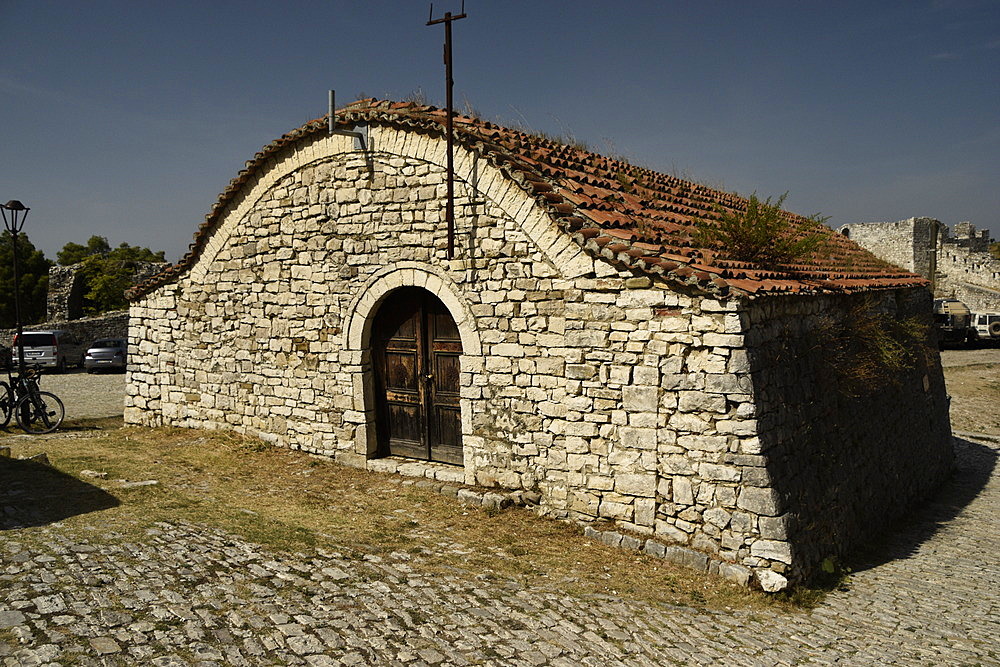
995	249
74	253
106	272
34	273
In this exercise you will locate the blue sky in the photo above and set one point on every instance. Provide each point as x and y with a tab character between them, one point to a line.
127	119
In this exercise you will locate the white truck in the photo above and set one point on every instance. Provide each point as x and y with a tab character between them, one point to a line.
985	327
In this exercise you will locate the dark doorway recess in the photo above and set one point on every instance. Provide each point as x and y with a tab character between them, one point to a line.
416	355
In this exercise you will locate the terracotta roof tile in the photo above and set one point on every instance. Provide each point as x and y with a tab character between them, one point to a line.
636	217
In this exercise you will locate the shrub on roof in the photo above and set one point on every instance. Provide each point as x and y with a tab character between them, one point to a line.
761	234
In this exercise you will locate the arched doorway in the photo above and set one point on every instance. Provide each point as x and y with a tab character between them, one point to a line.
416	350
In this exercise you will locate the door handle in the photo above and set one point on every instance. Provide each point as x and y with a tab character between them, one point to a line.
429	376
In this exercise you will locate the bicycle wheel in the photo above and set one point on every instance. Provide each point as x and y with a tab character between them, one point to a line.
39	413
6	404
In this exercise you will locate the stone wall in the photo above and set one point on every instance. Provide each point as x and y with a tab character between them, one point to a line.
88	329
906	243
970	275
956	260
609	395
843	456
66	289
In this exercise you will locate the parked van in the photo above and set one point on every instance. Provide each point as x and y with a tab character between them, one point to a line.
985	326
50	349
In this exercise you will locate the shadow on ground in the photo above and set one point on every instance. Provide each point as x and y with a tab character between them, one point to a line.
974	465
35	494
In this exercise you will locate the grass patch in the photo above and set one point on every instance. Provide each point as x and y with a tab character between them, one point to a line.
290	501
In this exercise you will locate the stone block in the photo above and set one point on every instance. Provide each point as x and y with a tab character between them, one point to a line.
699	401
762	501
654	548
771	581
772	550
718	473
686	557
682	491
737	573
643	485
640	399
670	532
614	510
774	528
717	516
629	542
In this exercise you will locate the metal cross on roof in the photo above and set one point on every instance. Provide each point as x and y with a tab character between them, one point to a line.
449	83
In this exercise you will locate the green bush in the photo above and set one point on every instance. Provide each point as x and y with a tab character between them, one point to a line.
761	234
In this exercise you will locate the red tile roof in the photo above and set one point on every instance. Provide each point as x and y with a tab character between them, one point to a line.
635	217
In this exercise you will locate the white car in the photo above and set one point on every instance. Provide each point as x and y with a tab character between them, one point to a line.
985	326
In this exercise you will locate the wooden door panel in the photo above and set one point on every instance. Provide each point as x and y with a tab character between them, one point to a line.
417	352
401	370
446	374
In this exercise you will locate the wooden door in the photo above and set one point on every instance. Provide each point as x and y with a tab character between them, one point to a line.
416	356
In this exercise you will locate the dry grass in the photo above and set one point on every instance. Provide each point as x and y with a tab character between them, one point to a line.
975	393
292	501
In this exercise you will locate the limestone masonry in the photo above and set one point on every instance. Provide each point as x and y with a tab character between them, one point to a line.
957	261
694	415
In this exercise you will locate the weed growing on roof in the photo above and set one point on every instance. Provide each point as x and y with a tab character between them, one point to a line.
761	234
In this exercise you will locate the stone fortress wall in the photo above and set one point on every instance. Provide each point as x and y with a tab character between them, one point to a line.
956	260
65	295
87	329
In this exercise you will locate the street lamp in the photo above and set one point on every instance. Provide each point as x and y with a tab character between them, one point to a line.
18	212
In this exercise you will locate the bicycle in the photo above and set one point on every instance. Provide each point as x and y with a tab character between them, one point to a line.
36	411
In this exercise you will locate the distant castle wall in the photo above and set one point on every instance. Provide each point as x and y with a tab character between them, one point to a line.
65	297
957	260
88	329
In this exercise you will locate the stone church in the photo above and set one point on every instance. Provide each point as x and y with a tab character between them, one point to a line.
577	342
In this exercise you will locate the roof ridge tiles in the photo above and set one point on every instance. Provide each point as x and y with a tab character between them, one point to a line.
636	204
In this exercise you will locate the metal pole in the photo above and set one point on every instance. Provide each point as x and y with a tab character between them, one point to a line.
17	309
449	213
449	83
13	226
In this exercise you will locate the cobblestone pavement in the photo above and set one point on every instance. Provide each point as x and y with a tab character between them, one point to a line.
190	595
85	395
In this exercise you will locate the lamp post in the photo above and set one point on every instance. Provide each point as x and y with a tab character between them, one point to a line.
18	212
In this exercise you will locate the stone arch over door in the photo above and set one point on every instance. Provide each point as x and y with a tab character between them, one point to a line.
359	353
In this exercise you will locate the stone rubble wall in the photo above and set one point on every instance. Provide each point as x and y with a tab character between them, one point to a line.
892	241
839	462
958	260
970	275
109	325
611	397
65	293
978	299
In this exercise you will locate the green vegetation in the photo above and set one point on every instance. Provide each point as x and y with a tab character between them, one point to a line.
106	272
995	249
762	234
34	272
867	349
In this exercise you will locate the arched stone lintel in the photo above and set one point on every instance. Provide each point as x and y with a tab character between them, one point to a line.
409	274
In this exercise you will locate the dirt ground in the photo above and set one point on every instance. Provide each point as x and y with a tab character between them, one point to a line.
973	380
